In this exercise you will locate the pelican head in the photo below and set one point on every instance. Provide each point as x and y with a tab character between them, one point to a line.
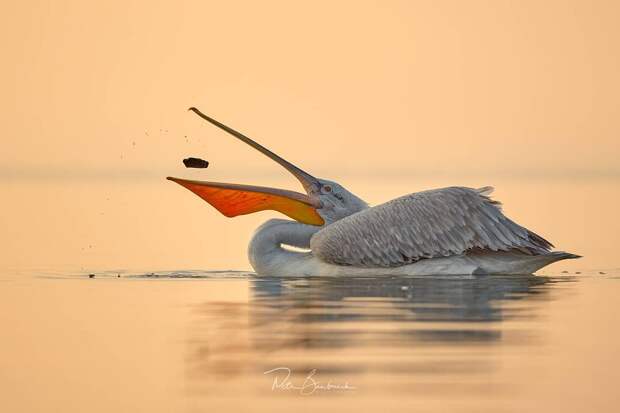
336	201
323	203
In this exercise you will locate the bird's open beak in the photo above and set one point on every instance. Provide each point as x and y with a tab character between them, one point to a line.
234	199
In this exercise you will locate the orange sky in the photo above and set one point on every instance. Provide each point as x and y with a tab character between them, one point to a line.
339	87
522	95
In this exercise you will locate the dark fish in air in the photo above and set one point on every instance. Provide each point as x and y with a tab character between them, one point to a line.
195	163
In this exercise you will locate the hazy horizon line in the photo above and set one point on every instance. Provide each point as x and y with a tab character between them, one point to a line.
97	173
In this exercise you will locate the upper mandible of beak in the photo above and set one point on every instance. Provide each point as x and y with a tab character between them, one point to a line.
310	183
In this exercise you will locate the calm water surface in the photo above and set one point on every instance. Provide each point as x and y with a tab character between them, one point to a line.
194	341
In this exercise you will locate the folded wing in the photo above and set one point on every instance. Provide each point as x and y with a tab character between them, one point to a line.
435	223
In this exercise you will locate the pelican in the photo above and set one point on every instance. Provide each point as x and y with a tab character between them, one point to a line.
447	231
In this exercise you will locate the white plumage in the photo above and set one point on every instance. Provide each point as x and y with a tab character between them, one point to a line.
429	224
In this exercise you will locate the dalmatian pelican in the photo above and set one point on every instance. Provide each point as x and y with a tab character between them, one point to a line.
447	231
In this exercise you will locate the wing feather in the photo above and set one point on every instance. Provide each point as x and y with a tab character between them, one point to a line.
435	223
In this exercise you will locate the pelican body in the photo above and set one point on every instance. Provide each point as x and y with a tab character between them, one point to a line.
332	232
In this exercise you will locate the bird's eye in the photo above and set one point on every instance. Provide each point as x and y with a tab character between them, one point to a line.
327	188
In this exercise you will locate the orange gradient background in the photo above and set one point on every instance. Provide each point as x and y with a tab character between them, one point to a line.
386	98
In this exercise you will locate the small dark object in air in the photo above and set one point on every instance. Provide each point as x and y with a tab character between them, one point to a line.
577	272
601	272
564	272
91	275
195	163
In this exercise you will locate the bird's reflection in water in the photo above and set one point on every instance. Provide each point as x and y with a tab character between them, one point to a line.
412	327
